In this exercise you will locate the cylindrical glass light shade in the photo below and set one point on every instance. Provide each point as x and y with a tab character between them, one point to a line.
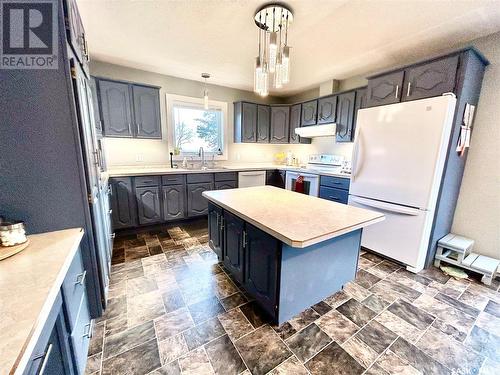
278	77
285	65
273	51
205	99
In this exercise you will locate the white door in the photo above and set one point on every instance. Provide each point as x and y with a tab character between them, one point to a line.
400	150
403	235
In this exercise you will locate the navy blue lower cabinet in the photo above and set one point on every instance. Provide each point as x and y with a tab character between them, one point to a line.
148	204
215	229
233	249
334	194
262	258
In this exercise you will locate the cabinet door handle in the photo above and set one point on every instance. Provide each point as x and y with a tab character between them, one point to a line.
244	239
80	279
110	190
129	127
45	360
397	91
88	330
409	89
113	235
137	127
110	211
333	198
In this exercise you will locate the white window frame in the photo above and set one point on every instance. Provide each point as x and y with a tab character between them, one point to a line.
173	99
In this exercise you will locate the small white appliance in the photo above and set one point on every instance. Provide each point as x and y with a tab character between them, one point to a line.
251	178
398	160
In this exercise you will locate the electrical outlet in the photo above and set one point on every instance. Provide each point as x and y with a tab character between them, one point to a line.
139	158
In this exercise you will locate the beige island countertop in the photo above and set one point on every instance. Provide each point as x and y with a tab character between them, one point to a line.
298	220
29	284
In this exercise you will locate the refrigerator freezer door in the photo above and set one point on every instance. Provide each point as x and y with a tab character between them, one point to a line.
400	150
403	235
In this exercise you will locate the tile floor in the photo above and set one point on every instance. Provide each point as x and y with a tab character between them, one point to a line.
173	310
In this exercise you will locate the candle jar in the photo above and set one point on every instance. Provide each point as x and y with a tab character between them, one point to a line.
12	233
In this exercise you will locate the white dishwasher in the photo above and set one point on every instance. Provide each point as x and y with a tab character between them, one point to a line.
251	178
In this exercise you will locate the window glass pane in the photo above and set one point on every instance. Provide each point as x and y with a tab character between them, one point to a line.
195	127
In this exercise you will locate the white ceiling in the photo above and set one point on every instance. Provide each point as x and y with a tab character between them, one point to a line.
331	39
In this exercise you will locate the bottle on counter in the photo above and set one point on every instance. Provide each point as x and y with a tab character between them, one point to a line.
289	158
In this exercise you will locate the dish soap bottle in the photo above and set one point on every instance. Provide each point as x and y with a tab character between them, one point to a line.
289	158
184	163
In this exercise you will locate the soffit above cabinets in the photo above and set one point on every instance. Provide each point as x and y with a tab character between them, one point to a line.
330	39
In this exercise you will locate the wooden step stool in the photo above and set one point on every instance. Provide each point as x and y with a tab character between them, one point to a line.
457	250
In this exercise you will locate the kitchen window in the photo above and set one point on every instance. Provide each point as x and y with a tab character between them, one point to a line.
191	126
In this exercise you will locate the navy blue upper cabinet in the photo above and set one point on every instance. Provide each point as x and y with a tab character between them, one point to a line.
95	105
345	116
309	113
116	109
263	123
360	103
76	33
148	204
146	111
279	124
327	109
129	110
123	203
245	122
234	243
385	89
294	123
430	79
262	257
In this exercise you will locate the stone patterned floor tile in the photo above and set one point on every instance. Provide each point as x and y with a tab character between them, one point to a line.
172	348
366	279
375	303
337	299
173	323
195	363
125	340
376	336
202	333
450	353
136	361
393	364
360	351
306	343
417	358
224	357
356	312
291	366
443	324
411	314
399	326
337	326
334	360
235	324
262	350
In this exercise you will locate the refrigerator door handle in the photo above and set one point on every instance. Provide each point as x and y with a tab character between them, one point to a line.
386	206
355	154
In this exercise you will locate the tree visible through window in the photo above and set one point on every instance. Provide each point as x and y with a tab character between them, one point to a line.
195	127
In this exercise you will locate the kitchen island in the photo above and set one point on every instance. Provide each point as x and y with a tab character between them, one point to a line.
288	250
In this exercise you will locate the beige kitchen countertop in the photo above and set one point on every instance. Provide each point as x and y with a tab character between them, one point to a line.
29	284
296	219
125	171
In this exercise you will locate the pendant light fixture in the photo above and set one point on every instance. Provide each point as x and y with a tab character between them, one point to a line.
272	65
205	91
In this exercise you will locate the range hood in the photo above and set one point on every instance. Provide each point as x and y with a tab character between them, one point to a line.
313	131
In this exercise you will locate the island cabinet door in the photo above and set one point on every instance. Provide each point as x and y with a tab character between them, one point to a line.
215	229
262	256
233	245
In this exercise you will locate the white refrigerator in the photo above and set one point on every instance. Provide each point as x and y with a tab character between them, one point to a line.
398	160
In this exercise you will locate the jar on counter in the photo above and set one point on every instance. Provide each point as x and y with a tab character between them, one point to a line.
12	233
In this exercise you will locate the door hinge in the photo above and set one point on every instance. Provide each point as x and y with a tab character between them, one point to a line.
73	72
90	198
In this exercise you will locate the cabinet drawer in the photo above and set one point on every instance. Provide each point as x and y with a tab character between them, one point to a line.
73	289
80	337
226	176
196	178
336	182
173	179
221	185
333	194
147	181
